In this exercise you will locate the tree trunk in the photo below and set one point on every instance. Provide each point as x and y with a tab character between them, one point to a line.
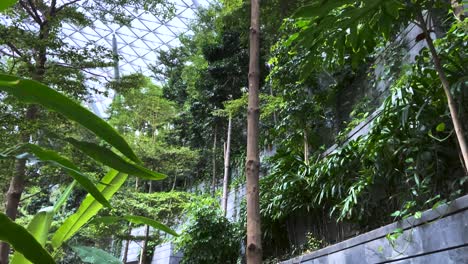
143	259
127	243
254	245
13	198
213	183
306	148
459	131
227	152
17	184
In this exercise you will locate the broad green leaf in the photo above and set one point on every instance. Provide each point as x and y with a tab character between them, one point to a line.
109	158
22	241
440	127
4	4
29	91
39	228
95	255
88	208
139	220
60	161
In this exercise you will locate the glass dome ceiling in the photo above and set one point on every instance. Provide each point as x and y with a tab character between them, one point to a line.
137	45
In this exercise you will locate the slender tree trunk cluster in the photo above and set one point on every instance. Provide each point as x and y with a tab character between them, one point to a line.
254	244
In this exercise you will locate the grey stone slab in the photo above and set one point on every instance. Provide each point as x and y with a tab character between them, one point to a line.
437	230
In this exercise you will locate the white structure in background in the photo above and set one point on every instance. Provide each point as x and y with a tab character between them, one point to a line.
163	254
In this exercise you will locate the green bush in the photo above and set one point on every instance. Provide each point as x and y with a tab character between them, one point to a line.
209	237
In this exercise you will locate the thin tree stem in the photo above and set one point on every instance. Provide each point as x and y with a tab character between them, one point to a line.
459	131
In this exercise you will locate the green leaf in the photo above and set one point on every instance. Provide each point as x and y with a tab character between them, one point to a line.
58	160
33	92
440	127
63	198
139	220
109	158
417	215
39	228
95	255
22	241
4	4
88	208
396	214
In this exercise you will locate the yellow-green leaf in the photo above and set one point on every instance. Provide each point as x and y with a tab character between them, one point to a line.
39	228
88	208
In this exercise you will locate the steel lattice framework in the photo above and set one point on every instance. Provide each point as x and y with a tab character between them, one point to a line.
137	45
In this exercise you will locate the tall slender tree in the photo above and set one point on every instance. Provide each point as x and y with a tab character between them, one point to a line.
252	167
227	153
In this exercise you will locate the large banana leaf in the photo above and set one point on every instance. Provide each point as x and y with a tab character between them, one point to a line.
95	255
109	158
39	228
60	161
40	224
22	241
29	91
139	220
88	208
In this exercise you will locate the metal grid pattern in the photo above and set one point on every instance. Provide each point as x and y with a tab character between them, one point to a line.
139	43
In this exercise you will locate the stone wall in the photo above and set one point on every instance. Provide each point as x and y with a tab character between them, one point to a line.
439	236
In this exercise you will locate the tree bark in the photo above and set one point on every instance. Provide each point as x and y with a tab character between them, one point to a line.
306	148
227	152
254	245
215	142
17	183
127	243
459	131
143	259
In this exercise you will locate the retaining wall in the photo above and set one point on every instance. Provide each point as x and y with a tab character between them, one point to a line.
439	236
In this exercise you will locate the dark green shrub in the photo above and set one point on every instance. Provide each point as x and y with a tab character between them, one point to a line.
209	237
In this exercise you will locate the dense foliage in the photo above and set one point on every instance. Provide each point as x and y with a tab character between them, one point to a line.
208	237
327	69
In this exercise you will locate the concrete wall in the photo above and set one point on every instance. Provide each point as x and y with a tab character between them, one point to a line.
134	248
439	236
165	254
